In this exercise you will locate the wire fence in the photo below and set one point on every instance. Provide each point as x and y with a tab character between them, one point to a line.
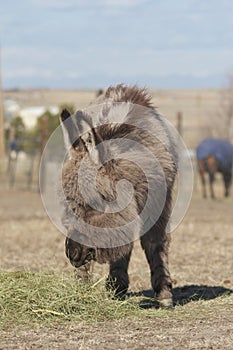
20	170
194	121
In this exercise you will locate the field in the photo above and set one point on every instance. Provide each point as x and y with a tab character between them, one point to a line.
198	107
201	266
43	305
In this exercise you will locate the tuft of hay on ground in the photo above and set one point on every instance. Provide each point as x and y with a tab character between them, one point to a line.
27	297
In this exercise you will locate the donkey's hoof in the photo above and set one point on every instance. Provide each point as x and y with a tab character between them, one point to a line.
164	298
166	303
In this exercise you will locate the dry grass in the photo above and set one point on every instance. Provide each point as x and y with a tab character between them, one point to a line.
43	306
42	311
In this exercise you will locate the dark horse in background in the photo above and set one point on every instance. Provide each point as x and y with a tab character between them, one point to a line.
215	155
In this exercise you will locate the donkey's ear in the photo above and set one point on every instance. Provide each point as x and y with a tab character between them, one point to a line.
65	114
70	131
83	121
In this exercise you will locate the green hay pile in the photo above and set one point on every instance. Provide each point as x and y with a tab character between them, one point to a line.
28	298
32	297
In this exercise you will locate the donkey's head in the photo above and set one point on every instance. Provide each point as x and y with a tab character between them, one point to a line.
78	253
81	140
80	135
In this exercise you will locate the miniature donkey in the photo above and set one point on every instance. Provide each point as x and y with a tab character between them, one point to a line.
84	246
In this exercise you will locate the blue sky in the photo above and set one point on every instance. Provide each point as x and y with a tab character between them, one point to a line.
94	43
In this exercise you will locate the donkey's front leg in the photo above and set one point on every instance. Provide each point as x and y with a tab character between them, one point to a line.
118	279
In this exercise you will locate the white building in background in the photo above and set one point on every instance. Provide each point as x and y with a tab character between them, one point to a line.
30	114
11	106
10	110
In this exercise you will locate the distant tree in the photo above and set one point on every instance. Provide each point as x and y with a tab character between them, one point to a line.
15	133
45	126
52	123
31	140
52	120
222	124
18	127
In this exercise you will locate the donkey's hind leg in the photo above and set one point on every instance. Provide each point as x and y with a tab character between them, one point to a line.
156	244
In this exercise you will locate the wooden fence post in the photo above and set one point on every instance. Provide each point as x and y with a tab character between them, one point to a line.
2	136
43	140
179	123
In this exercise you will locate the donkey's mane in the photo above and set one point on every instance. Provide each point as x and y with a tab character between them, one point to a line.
133	94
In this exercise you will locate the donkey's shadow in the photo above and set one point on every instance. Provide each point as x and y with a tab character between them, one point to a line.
183	295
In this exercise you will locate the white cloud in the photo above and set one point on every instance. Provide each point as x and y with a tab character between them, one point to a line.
28	73
59	64
36	55
186	62
75	39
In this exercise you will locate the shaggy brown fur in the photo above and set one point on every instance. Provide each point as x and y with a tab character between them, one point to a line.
155	242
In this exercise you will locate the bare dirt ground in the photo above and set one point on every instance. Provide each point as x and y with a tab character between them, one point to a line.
201	264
